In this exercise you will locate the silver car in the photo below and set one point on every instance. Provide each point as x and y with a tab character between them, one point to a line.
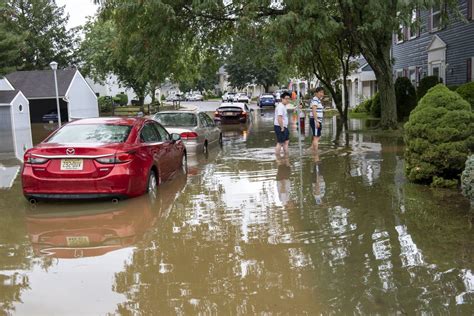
198	131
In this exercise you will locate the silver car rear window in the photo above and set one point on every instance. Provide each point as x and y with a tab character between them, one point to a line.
176	119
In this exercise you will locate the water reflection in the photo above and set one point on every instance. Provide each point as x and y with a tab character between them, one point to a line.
243	233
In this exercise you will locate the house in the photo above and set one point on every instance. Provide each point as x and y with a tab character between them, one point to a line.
111	87
77	99
445	52
15	128
361	83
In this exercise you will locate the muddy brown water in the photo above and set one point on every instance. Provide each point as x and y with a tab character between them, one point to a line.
244	233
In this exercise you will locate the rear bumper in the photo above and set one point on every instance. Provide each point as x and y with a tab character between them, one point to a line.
120	182
231	119
90	196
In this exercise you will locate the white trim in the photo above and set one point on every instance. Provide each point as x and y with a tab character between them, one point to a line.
70	83
13	130
45	98
8	82
73	78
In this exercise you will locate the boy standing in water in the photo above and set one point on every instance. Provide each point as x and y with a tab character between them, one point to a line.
281	124
316	117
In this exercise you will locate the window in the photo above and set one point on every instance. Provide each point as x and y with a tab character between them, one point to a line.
435	19
20	108
203	120
400	34
91	133
412	75
149	134
399	73
470	9
412	30
210	122
164	135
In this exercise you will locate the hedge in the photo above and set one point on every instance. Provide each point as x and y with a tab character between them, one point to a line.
406	97
439	136
467	92
425	84
467	179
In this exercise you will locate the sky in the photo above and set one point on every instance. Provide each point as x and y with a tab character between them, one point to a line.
78	10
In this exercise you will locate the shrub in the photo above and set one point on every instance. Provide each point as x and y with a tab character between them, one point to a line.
438	135
105	103
467	92
123	99
163	98
453	87
425	84
363	107
375	106
406	97
467	179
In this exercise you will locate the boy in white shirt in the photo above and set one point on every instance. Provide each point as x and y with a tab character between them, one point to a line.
281	124
316	117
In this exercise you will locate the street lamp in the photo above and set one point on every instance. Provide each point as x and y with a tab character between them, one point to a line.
54	66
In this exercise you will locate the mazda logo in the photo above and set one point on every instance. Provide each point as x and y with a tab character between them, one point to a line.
70	151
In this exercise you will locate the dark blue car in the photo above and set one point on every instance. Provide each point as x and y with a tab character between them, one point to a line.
50	117
266	100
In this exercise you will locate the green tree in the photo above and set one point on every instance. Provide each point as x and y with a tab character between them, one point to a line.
46	38
10	42
253	58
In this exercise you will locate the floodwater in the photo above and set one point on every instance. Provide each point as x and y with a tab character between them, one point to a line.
243	233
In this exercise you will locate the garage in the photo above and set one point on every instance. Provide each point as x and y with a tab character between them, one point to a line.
76	98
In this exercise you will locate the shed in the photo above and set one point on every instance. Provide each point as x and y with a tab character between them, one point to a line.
77	99
15	128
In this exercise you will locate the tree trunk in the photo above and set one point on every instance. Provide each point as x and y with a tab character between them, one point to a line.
141	101
387	100
346	100
378	57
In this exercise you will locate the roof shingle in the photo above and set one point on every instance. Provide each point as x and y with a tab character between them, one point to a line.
40	83
7	96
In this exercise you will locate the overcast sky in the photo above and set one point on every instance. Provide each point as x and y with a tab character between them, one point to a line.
78	10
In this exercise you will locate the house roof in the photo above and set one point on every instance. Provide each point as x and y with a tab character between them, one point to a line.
40	83
6	97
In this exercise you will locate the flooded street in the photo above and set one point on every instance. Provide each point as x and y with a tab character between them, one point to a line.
242	233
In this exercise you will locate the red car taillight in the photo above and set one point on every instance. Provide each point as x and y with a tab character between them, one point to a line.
243	113
189	135
216	113
34	160
117	158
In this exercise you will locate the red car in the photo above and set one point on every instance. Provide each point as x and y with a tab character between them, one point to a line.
102	158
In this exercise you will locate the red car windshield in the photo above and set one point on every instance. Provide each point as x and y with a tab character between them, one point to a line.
91	133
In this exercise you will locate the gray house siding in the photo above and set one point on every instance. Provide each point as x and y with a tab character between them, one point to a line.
459	39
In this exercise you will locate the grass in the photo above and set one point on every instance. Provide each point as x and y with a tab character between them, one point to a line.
133	110
361	115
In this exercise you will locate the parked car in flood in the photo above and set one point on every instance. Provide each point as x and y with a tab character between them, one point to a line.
228	97
241	97
195	97
197	130
102	158
266	99
235	112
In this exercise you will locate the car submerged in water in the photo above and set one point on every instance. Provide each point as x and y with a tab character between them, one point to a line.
102	158
234	112
197	130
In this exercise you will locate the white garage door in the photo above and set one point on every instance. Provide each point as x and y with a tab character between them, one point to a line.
6	143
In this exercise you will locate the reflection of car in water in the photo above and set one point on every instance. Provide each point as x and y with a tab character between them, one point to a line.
88	230
235	132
